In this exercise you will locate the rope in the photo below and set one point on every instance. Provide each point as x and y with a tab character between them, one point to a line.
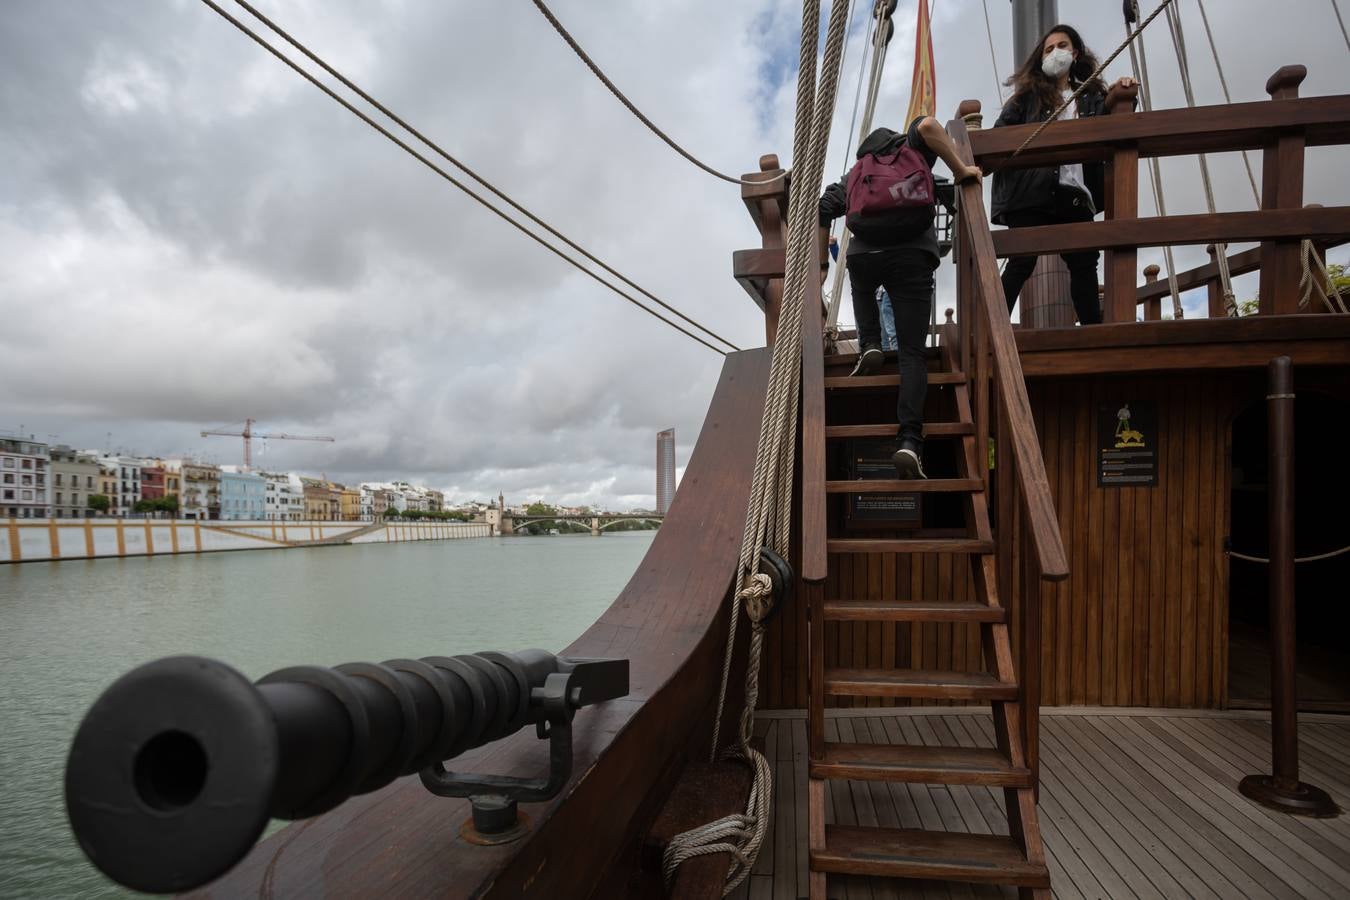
1297	559
1139	63
1086	81
1184	67
768	518
1309	285
1341	22
436	148
993	57
879	47
651	126
1227	97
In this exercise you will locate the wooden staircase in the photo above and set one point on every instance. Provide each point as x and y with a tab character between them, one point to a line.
1015	859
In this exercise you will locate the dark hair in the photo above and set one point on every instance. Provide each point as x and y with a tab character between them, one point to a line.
1030	79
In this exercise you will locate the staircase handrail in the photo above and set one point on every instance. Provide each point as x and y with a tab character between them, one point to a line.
989	313
812	430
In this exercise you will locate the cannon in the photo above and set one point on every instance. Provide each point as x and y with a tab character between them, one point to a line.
179	764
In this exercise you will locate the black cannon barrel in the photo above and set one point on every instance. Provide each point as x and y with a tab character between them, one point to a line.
177	767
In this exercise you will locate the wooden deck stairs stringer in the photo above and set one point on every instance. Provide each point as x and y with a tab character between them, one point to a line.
1016	859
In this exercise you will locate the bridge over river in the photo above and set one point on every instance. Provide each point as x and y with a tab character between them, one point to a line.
507	523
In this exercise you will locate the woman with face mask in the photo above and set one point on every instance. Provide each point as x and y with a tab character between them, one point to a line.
1067	193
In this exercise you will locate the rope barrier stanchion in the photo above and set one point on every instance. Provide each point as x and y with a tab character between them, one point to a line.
619	95
769	513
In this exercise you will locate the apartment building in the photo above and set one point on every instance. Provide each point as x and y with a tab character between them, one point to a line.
75	476
24	467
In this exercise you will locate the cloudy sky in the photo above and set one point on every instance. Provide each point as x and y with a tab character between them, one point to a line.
192	234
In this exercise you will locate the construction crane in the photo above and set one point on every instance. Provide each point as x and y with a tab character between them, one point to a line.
248	434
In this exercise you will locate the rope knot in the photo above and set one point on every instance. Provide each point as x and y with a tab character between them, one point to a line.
757	596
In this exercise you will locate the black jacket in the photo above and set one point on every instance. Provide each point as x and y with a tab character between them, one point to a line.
1017	190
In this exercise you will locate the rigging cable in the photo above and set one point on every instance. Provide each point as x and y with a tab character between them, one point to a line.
768	519
1228	98
1341	22
1139	63
881	39
993	57
456	182
1184	67
651	126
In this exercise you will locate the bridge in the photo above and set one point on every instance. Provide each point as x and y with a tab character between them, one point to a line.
508	524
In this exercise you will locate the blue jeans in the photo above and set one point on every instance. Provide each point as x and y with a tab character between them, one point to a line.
887	320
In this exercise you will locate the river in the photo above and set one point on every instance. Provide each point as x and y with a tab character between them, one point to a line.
68	629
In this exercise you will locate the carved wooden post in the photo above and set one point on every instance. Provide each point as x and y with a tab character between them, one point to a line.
969	112
1153	305
1122	202
1282	188
1215	287
772	237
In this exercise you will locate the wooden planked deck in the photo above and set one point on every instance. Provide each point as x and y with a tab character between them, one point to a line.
1134	803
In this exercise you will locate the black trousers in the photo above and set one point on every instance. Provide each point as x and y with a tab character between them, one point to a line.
907	276
1082	266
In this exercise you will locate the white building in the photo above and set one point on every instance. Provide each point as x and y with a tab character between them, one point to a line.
24	466
284	497
127	484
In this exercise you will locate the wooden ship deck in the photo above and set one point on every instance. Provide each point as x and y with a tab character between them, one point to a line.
1134	803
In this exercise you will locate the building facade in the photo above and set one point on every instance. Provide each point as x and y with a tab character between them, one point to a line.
322	501
435	501
152	482
24	467
242	495
349	503
75	476
283	497
665	470
201	490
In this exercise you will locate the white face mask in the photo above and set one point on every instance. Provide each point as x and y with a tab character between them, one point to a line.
1057	62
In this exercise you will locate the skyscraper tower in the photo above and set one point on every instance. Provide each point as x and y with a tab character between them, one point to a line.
665	470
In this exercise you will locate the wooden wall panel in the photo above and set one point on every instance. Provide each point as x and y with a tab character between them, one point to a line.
1142	619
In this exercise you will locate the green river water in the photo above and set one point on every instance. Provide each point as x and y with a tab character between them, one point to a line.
68	629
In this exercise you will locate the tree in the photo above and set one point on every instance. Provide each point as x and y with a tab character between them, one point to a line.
99	503
391	512
541	509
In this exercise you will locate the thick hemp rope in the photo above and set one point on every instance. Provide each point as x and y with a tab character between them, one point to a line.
769	513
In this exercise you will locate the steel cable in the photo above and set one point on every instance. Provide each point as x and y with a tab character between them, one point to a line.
454	181
613	89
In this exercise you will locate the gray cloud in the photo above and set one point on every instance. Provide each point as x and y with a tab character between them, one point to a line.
194	235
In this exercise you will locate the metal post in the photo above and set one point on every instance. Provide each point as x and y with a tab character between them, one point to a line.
1030	20
1282	790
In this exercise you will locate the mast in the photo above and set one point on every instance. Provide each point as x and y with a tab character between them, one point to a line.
1030	19
1044	300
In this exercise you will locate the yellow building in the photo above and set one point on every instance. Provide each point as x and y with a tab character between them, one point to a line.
349	503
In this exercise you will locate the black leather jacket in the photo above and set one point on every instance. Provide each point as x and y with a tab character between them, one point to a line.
1017	190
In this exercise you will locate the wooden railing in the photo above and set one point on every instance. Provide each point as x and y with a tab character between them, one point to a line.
1281	128
988	354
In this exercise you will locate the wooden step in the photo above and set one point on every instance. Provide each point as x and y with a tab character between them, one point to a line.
930	430
917	684
903	486
920	765
908	545
912	853
935	611
860	382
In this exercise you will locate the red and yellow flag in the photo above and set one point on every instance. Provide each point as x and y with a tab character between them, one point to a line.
923	93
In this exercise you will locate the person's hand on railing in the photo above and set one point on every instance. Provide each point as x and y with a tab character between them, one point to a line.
968	173
1124	81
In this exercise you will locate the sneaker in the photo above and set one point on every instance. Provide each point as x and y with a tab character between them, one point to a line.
868	362
907	461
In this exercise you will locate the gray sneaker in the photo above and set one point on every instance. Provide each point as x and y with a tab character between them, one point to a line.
868	362
908	464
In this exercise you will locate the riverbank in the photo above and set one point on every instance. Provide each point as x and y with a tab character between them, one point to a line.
35	540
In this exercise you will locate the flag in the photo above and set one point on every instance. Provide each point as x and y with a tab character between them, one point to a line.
923	92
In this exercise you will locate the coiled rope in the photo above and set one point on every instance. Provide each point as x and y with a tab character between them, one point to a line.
769	514
613	89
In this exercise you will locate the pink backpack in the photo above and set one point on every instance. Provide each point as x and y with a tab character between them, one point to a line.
891	198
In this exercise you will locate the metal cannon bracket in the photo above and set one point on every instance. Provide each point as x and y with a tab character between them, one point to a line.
494	798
